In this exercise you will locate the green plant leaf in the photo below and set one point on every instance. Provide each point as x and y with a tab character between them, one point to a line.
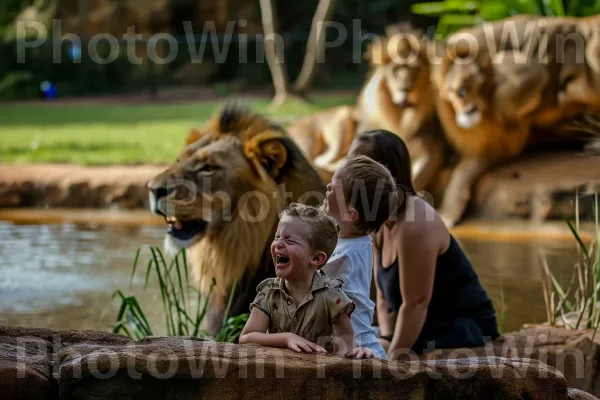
573	8
494	11
176	295
12	79
135	261
575	234
444	7
561	293
557	8
450	23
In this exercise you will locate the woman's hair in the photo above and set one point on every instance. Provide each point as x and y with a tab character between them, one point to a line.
390	150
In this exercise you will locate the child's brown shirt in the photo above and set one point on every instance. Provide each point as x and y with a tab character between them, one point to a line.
312	318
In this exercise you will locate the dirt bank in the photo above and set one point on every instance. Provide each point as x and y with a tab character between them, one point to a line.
65	185
527	189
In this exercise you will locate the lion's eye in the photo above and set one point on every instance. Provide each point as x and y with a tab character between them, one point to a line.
462	92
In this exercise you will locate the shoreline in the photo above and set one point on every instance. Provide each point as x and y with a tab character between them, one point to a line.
523	193
514	230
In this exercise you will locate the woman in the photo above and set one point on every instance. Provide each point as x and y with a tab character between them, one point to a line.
428	294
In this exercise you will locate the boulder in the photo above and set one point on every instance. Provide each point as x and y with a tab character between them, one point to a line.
70	364
577	394
530	187
185	368
572	352
26	369
27	358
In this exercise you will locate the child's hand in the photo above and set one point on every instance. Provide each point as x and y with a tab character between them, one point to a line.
360	352
300	344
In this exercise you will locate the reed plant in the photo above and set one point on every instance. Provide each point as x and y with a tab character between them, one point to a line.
575	305
183	304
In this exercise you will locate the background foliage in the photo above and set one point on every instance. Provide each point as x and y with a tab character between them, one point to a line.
344	66
456	14
340	70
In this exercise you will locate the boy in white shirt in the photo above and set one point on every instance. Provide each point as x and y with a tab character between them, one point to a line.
360	198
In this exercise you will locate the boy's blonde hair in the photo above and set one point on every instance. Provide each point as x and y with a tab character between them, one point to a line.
324	235
369	188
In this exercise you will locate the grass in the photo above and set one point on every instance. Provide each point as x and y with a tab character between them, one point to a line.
576	306
120	134
183	305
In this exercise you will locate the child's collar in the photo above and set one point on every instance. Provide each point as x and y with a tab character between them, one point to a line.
320	281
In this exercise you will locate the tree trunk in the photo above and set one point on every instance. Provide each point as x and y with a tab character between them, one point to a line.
273	54
83	18
314	46
316	41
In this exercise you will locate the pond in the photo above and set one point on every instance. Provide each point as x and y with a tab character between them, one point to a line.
62	274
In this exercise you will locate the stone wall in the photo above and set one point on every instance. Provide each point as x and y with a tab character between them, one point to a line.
54	364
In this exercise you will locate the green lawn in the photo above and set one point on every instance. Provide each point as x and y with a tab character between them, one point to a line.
116	134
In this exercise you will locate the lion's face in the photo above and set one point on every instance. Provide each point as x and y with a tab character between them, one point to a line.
402	80
213	181
403	59
462	86
196	193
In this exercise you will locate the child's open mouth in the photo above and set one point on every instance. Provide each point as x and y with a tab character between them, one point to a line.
282	260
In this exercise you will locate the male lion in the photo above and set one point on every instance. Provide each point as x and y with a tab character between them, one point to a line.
221	201
495	96
396	97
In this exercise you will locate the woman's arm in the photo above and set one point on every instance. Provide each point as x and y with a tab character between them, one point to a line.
254	332
417	254
385	318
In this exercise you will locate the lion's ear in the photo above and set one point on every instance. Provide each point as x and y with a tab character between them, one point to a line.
192	136
267	153
377	51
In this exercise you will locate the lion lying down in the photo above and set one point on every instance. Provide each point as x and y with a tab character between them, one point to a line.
221	201
495	97
396	97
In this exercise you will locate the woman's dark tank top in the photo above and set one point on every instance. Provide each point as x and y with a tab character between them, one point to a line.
457	291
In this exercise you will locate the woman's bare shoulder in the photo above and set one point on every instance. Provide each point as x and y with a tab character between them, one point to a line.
422	222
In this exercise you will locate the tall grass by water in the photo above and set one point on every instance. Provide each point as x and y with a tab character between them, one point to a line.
575	306
184	306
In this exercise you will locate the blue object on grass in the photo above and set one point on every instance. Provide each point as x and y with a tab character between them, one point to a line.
49	90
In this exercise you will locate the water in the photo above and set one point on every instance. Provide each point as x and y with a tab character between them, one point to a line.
62	275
